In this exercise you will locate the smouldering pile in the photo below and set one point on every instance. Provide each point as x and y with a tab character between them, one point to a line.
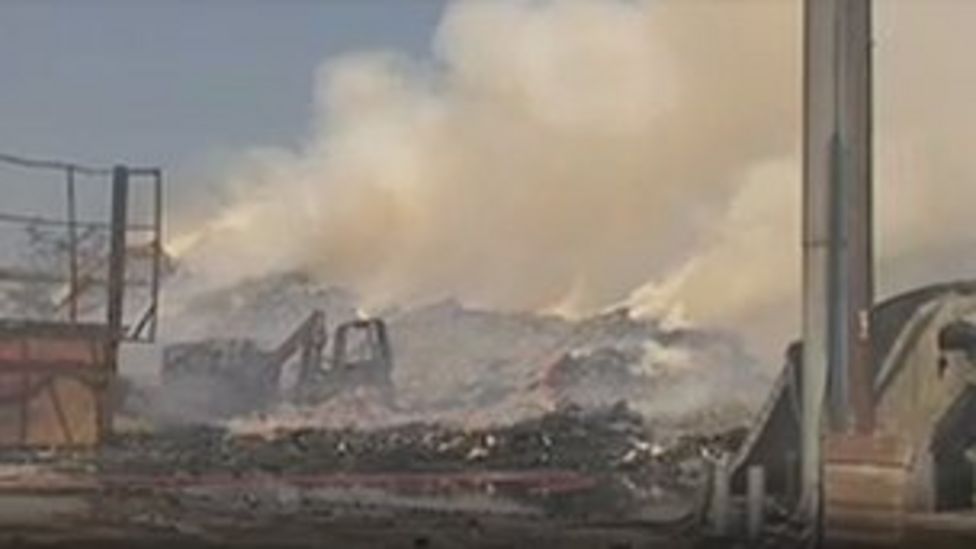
609	440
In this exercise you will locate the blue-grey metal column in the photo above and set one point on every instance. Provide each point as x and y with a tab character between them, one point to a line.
854	121
837	223
819	152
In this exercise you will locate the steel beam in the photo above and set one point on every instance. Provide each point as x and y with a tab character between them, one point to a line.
819	135
837	229
117	251
854	123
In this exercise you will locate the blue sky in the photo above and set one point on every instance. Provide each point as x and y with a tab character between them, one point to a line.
179	83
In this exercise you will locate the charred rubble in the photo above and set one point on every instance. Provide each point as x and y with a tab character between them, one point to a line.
615	462
598	441
629	408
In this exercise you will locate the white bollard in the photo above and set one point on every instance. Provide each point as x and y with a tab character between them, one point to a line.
755	502
720	497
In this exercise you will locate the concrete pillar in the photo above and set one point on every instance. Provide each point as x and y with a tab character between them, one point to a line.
755	502
721	498
819	136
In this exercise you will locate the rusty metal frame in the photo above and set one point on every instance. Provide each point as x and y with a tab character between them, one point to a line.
38	355
142	328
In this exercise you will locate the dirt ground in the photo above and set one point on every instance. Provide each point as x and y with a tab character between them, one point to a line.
565	480
165	519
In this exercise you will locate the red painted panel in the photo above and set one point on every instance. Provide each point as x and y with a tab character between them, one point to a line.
65	350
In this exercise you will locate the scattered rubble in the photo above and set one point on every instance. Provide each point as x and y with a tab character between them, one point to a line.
624	408
614	445
569	438
494	414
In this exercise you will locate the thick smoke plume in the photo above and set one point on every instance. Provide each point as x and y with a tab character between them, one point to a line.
554	155
558	155
747	275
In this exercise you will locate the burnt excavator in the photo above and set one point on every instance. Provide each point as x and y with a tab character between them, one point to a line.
221	378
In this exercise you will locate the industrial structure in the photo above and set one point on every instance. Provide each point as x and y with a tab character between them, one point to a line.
84	281
868	434
916	467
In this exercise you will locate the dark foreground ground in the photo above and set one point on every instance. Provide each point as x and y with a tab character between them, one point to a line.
166	519
212	517
404	535
566	480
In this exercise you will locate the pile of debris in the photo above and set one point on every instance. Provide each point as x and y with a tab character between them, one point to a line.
627	403
614	446
459	365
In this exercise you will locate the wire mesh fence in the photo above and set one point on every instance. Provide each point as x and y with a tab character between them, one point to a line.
67	231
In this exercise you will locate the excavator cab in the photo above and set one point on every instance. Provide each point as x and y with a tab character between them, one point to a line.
362	356
363	344
223	378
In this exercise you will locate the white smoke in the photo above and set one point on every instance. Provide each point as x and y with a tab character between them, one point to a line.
557	155
551	152
747	276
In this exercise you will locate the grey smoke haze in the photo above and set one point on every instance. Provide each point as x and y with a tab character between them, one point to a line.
569	155
747	276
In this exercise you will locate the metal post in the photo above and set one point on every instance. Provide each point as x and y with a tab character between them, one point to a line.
72	246
854	121
157	249
116	292
819	115
116	265
721	497
837	263
837	415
